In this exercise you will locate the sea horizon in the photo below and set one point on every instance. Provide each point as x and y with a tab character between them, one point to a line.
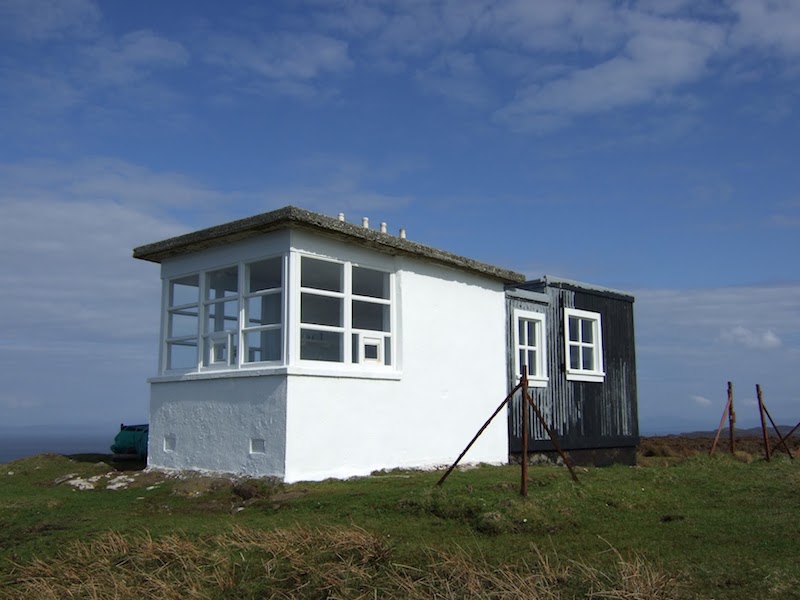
23	444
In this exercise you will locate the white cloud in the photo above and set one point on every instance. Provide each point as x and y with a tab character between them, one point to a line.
132	57
37	20
661	56
702	400
456	76
681	353
768	24
283	62
743	336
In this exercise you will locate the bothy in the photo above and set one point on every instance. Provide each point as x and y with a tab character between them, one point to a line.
300	346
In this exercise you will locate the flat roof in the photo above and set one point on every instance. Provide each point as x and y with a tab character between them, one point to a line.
291	217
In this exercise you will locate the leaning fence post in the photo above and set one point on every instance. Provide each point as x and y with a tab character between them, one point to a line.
731	418
523	489
477	435
763	423
727	410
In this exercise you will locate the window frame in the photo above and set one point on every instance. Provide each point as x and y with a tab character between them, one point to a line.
541	378
358	344
596	374
233	339
354	339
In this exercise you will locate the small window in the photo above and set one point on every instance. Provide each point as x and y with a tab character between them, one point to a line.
258	446
583	345
530	349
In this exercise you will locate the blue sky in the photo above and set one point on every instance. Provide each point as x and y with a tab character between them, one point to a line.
646	146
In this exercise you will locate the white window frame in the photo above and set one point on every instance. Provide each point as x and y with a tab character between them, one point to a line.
354	339
597	374
233	338
540	379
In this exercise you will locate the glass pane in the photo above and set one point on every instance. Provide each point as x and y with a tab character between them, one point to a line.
321	310
185	290
182	323
264	310
219	351
321	345
182	355
521	332
321	274
367	315
531	338
263	345
368	282
574	357
588	358
587	331
223	316
265	274
387	351
532	370
222	283
370	352
354	357
522	362
574	323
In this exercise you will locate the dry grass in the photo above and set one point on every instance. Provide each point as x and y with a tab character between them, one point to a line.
298	562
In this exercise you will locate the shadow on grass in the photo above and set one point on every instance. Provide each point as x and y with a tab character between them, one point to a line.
120	463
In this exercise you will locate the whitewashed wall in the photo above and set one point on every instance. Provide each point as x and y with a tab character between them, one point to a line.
451	333
325	420
213	422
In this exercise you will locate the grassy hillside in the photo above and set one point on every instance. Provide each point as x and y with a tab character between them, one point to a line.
673	528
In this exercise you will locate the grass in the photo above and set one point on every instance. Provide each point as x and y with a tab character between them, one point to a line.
675	527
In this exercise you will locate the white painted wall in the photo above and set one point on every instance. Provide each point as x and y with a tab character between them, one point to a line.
452	343
320	421
212	423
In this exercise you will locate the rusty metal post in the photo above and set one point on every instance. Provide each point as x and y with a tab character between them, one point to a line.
523	488
725	411
783	438
477	435
763	423
778	433
731	418
553	439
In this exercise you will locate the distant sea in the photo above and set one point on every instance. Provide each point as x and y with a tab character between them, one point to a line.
14	445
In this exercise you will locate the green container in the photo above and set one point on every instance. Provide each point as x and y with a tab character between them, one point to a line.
131	439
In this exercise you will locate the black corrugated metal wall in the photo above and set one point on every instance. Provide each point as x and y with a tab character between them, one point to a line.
584	415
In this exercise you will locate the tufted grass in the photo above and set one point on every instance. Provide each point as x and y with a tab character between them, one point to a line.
695	527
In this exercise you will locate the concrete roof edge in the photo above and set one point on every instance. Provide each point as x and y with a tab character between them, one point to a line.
291	216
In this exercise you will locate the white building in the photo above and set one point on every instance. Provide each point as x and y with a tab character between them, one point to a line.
304	347
299	346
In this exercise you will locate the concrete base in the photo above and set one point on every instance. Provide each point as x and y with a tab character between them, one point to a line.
589	457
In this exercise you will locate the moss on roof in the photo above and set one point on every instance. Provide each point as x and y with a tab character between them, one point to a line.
298	218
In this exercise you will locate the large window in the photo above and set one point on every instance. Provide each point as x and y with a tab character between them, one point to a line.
583	345
225	318
530	346
183	310
235	316
262	331
345	313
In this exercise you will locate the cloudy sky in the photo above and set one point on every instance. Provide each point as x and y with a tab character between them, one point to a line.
649	146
